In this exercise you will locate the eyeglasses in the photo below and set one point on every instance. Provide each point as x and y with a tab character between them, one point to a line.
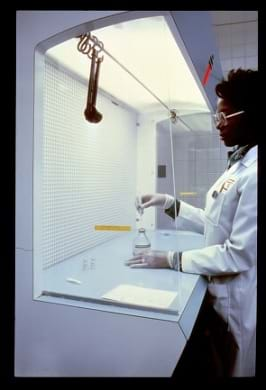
220	117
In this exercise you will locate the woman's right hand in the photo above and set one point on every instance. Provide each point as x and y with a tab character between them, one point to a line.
147	200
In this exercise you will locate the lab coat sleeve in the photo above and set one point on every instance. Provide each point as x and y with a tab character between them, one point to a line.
238	253
192	213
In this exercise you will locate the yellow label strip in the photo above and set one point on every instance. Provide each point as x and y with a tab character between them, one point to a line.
113	228
188	193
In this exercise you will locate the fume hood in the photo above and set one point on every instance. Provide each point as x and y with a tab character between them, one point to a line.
87	173
76	183
144	65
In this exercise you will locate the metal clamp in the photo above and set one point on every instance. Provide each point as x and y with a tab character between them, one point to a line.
90	45
173	116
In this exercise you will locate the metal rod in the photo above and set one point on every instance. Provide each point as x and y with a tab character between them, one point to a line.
140	82
143	85
172	112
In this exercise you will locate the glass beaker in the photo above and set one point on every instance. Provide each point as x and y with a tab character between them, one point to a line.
141	242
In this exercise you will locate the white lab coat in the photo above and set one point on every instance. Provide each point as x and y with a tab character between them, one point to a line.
230	230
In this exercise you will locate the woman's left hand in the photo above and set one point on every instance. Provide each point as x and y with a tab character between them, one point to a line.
149	259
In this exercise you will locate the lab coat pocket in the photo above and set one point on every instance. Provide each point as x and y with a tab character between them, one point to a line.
214	207
220	299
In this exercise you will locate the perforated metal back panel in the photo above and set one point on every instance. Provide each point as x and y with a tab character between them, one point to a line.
86	172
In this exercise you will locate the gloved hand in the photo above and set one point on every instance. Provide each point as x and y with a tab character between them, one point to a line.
148	200
150	259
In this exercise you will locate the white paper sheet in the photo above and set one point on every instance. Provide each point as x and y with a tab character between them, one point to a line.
141	296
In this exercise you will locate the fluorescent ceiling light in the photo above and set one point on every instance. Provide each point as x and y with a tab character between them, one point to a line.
147	48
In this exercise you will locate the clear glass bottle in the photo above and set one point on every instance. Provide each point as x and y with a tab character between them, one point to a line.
141	242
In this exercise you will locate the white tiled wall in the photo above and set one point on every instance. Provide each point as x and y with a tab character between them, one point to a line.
199	161
237	38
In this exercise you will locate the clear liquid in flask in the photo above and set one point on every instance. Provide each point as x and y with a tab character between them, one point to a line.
141	243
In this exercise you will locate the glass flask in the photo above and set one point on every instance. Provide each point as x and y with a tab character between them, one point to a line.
141	242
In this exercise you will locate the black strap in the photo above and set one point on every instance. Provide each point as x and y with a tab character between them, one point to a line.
238	154
171	210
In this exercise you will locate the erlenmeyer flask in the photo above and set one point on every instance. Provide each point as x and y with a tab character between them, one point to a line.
141	242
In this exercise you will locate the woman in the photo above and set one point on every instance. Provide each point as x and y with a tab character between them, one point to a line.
229	222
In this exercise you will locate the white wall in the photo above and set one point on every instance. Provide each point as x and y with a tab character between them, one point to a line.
199	158
237	38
